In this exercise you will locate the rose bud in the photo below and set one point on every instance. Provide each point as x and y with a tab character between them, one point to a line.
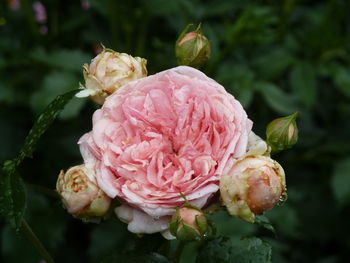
109	71
80	194
193	48
188	223
256	145
282	133
254	184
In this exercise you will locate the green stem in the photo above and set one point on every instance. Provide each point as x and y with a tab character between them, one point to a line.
178	252
26	229
143	28
113	17
28	10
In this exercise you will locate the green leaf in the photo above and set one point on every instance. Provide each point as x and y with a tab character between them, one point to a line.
251	250
53	237
304	83
12	198
103	239
43	122
286	220
341	182
239	80
339	74
154	258
273	64
215	250
70	60
57	82
130	257
39	127
342	79
12	190
276	98
248	250
265	223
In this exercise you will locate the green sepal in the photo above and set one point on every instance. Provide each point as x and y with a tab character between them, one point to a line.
174	223
187	233
184	32
202	223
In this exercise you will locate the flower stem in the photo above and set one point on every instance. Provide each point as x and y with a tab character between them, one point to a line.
27	8
26	229
178	252
113	17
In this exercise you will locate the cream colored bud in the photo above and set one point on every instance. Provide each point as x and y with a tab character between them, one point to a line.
254	184
256	145
80	194
109	71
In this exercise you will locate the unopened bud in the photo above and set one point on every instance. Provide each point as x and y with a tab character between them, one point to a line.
192	48
253	185
108	71
188	224
80	193
282	133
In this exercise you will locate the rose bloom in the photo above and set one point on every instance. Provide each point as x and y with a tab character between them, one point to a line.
253	184
158	138
80	194
108	71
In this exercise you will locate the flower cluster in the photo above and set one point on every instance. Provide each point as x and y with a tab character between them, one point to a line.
163	146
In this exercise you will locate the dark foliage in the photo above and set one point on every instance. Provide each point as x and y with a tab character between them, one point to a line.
276	57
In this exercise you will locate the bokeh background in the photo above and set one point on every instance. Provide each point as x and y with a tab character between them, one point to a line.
276	57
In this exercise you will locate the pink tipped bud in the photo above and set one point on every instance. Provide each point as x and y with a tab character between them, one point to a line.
188	224
253	185
282	133
192	48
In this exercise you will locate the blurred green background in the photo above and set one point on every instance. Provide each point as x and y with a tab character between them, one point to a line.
276	57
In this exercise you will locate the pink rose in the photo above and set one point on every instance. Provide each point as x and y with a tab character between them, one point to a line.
158	137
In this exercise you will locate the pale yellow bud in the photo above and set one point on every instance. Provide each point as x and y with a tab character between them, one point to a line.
109	71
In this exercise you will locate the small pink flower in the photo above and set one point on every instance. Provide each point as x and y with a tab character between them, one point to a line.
85	4
40	12
157	138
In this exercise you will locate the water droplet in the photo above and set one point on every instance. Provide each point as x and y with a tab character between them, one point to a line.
283	198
